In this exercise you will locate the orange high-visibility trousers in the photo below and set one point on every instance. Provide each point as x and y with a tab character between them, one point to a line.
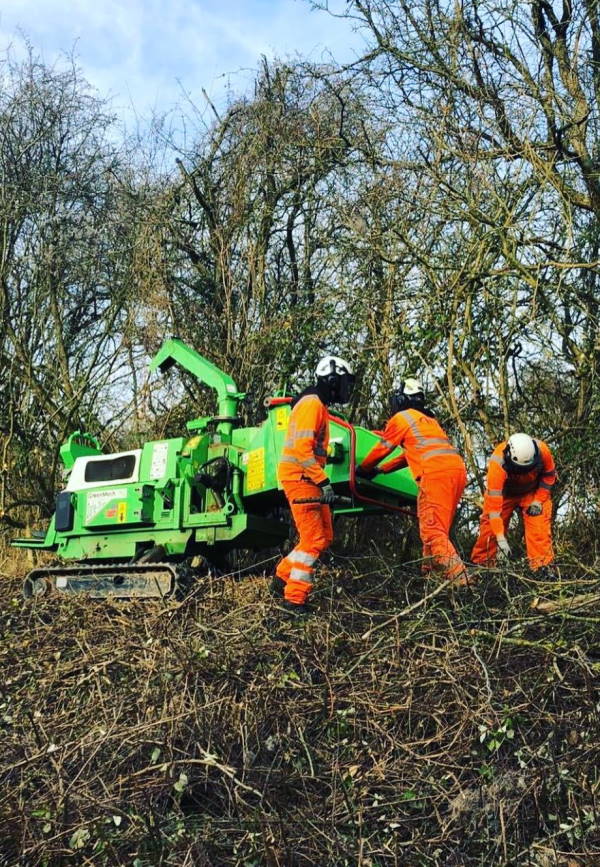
538	533
438	499
315	528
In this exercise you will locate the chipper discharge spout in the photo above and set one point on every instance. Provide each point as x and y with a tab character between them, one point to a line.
146	521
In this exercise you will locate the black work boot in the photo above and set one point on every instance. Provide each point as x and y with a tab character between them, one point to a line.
277	587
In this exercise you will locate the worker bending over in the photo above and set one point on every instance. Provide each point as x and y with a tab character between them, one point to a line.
302	476
438	469
520	474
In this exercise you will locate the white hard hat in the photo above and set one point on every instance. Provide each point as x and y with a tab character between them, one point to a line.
522	450
412	386
410	394
333	364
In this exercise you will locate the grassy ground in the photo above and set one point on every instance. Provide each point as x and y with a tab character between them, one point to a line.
385	730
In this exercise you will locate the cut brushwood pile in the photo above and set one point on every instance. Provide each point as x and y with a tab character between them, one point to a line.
214	731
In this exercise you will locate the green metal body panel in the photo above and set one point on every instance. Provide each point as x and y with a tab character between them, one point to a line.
163	501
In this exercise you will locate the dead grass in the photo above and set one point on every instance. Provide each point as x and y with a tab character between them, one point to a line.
216	732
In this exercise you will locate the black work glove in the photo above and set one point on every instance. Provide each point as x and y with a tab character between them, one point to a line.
327	492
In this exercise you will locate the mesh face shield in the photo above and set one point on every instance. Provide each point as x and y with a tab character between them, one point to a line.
337	386
398	401
417	400
345	387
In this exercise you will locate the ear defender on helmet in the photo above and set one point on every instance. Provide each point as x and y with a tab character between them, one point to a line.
398	400
521	454
335	378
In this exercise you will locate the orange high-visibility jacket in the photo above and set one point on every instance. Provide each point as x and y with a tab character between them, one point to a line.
426	446
305	448
501	484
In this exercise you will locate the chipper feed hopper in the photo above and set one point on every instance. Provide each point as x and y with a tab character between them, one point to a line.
138	522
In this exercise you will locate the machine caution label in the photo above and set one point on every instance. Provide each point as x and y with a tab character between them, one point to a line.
255	474
97	500
158	467
122	512
282	416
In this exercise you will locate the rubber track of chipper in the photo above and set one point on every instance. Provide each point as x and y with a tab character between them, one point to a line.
125	581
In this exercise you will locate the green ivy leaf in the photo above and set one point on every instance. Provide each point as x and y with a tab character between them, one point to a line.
79	838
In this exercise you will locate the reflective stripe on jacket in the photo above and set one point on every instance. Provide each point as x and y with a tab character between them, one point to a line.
500	484
305	448
427	449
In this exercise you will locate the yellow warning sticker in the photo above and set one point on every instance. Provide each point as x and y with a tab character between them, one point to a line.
255	473
282	416
122	511
190	445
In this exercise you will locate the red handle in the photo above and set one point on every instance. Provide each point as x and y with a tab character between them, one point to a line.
339	501
352	481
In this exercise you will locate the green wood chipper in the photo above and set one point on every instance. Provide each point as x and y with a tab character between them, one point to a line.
142	522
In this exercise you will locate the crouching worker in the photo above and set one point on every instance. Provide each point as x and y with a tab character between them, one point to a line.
302	477
438	469
520	475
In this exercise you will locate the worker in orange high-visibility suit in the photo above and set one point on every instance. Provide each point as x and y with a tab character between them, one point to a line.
302	476
520	475
436	466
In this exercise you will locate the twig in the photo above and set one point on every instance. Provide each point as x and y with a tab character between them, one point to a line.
443	587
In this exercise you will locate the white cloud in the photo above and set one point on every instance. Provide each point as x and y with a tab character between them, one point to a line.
139	50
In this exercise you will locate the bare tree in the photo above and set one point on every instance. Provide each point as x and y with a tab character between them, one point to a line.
64	255
495	130
251	223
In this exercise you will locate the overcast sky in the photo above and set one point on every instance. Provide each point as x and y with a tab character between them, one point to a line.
143	52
